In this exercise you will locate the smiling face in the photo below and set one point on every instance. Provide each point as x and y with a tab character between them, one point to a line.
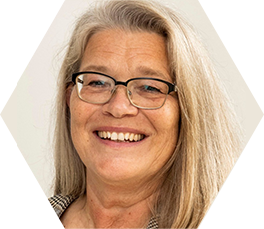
116	141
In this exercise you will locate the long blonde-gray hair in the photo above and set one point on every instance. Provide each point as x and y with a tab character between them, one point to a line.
209	136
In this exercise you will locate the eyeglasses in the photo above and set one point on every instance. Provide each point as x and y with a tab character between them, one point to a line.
143	92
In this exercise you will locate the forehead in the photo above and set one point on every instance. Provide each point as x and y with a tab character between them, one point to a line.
121	50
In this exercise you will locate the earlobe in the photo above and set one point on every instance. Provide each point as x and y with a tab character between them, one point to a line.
68	94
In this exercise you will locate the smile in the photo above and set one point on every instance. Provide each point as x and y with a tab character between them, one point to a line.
120	137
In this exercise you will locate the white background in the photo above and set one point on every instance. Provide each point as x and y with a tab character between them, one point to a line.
44	28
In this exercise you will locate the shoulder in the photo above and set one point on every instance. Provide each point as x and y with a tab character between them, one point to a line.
44	214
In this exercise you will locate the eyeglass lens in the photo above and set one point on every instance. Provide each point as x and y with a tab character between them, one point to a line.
143	93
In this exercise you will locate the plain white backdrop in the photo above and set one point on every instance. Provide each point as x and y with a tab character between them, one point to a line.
44	28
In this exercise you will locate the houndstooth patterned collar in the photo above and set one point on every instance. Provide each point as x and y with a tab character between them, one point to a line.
46	214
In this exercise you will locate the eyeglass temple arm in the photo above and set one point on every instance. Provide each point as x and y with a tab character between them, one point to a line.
172	87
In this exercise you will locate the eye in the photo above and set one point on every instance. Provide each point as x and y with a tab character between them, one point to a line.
97	83
150	89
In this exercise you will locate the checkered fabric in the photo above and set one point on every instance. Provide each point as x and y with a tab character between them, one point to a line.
153	224
46	214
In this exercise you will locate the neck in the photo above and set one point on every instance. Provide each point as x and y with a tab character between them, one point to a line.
117	206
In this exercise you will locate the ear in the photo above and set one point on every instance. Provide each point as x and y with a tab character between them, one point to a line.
68	94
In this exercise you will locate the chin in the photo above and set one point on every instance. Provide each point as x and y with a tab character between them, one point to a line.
111	173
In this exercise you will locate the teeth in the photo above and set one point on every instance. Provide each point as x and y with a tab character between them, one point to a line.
113	136
123	137
131	137
100	134
108	134
126	136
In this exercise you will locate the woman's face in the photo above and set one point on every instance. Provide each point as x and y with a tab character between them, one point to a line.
124	55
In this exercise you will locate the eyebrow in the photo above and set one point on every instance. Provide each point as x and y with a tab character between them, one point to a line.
146	71
140	70
99	68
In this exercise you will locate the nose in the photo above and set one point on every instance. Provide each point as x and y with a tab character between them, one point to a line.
119	105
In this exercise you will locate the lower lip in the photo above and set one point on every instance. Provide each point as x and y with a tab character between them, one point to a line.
115	144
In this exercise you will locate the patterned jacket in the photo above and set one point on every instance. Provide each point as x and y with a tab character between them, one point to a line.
45	215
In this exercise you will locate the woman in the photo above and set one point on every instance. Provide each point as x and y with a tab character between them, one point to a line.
145	134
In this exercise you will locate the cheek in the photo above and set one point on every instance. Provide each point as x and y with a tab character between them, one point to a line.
80	117
77	123
77	127
165	126
75	108
80	111
170	117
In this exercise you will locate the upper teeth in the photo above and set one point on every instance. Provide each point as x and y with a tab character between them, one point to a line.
114	136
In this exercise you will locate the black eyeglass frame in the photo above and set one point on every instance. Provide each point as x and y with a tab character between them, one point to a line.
171	87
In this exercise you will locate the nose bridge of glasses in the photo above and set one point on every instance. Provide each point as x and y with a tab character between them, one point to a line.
128	93
121	83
